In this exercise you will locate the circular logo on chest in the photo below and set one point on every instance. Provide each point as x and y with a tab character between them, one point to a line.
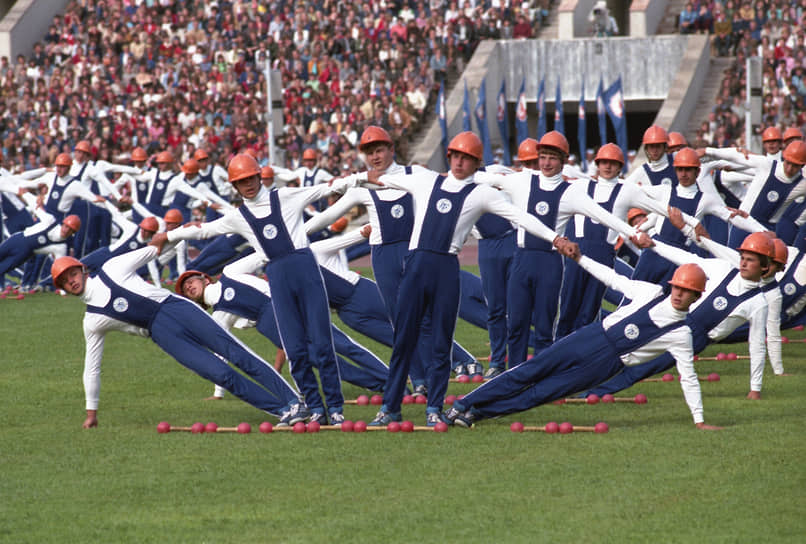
542	208
398	211
41	239
132	245
666	181
720	303
229	293
444	205
790	288
772	196
120	305
160	185
142	187
270	232
54	194
631	331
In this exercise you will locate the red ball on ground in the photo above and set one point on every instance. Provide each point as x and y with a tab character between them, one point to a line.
721	356
607	398
559	401
464	378
640	398
376	400
552	427
441	427
360	426
3	295
244	428
601	427
299	427
516	427
408	399
489	358
696	357
593	398
197	428
713	377
20	296
211	427
393	427
163	427
732	356
362	400
266	427
420	399
784	339
450	399
668	378
347	426
313	427
407	426
459	397
478	378
798	328
566	428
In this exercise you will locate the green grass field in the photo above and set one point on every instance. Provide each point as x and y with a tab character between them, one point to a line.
653	478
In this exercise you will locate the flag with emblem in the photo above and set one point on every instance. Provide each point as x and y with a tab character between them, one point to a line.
559	120
541	108
503	121
582	136
614	102
443	123
521	118
601	113
466	125
480	111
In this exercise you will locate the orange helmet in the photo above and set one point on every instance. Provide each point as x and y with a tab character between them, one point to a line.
760	243
164	157
689	276
174	216
771	134
554	140
633	213
527	151
139	154
795	152
62	265
84	146
340	224
686	158
676	139
793	133
150	224
655	135
781	251
200	155
180	281
610	152
72	221
266	172
242	166
373	134
63	159
191	167
309	155
467	143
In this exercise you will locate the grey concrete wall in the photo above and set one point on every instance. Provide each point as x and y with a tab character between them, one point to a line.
571	61
25	24
645	16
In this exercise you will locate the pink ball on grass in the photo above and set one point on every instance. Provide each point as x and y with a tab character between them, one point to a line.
244	428
640	398
601	427
211	427
163	427
347	426
408	399
668	378
197	428
360	426
566	428
607	398
464	378
552	427
421	400
713	377
407	426
478	378
266	427
393	427
450	399
593	398
376	400
516	427
441	427
299	427
313	427
362	400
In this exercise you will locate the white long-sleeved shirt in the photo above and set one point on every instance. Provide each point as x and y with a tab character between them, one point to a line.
127	228
640	177
574	200
756	186
220	179
58	247
70	190
292	202
483	199
123	270
319	175
677	342
96	172
360	196
330	254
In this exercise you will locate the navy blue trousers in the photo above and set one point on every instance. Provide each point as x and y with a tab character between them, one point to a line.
581	294
495	265
472	304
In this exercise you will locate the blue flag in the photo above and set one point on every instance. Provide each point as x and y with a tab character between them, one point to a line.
559	120
443	123
480	112
503	121
582	136
521	118
614	102
466	126
541	108
600	111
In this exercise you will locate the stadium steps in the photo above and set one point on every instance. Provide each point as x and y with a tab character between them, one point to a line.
668	25
708	95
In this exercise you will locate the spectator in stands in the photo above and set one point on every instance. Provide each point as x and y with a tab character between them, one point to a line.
688	19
